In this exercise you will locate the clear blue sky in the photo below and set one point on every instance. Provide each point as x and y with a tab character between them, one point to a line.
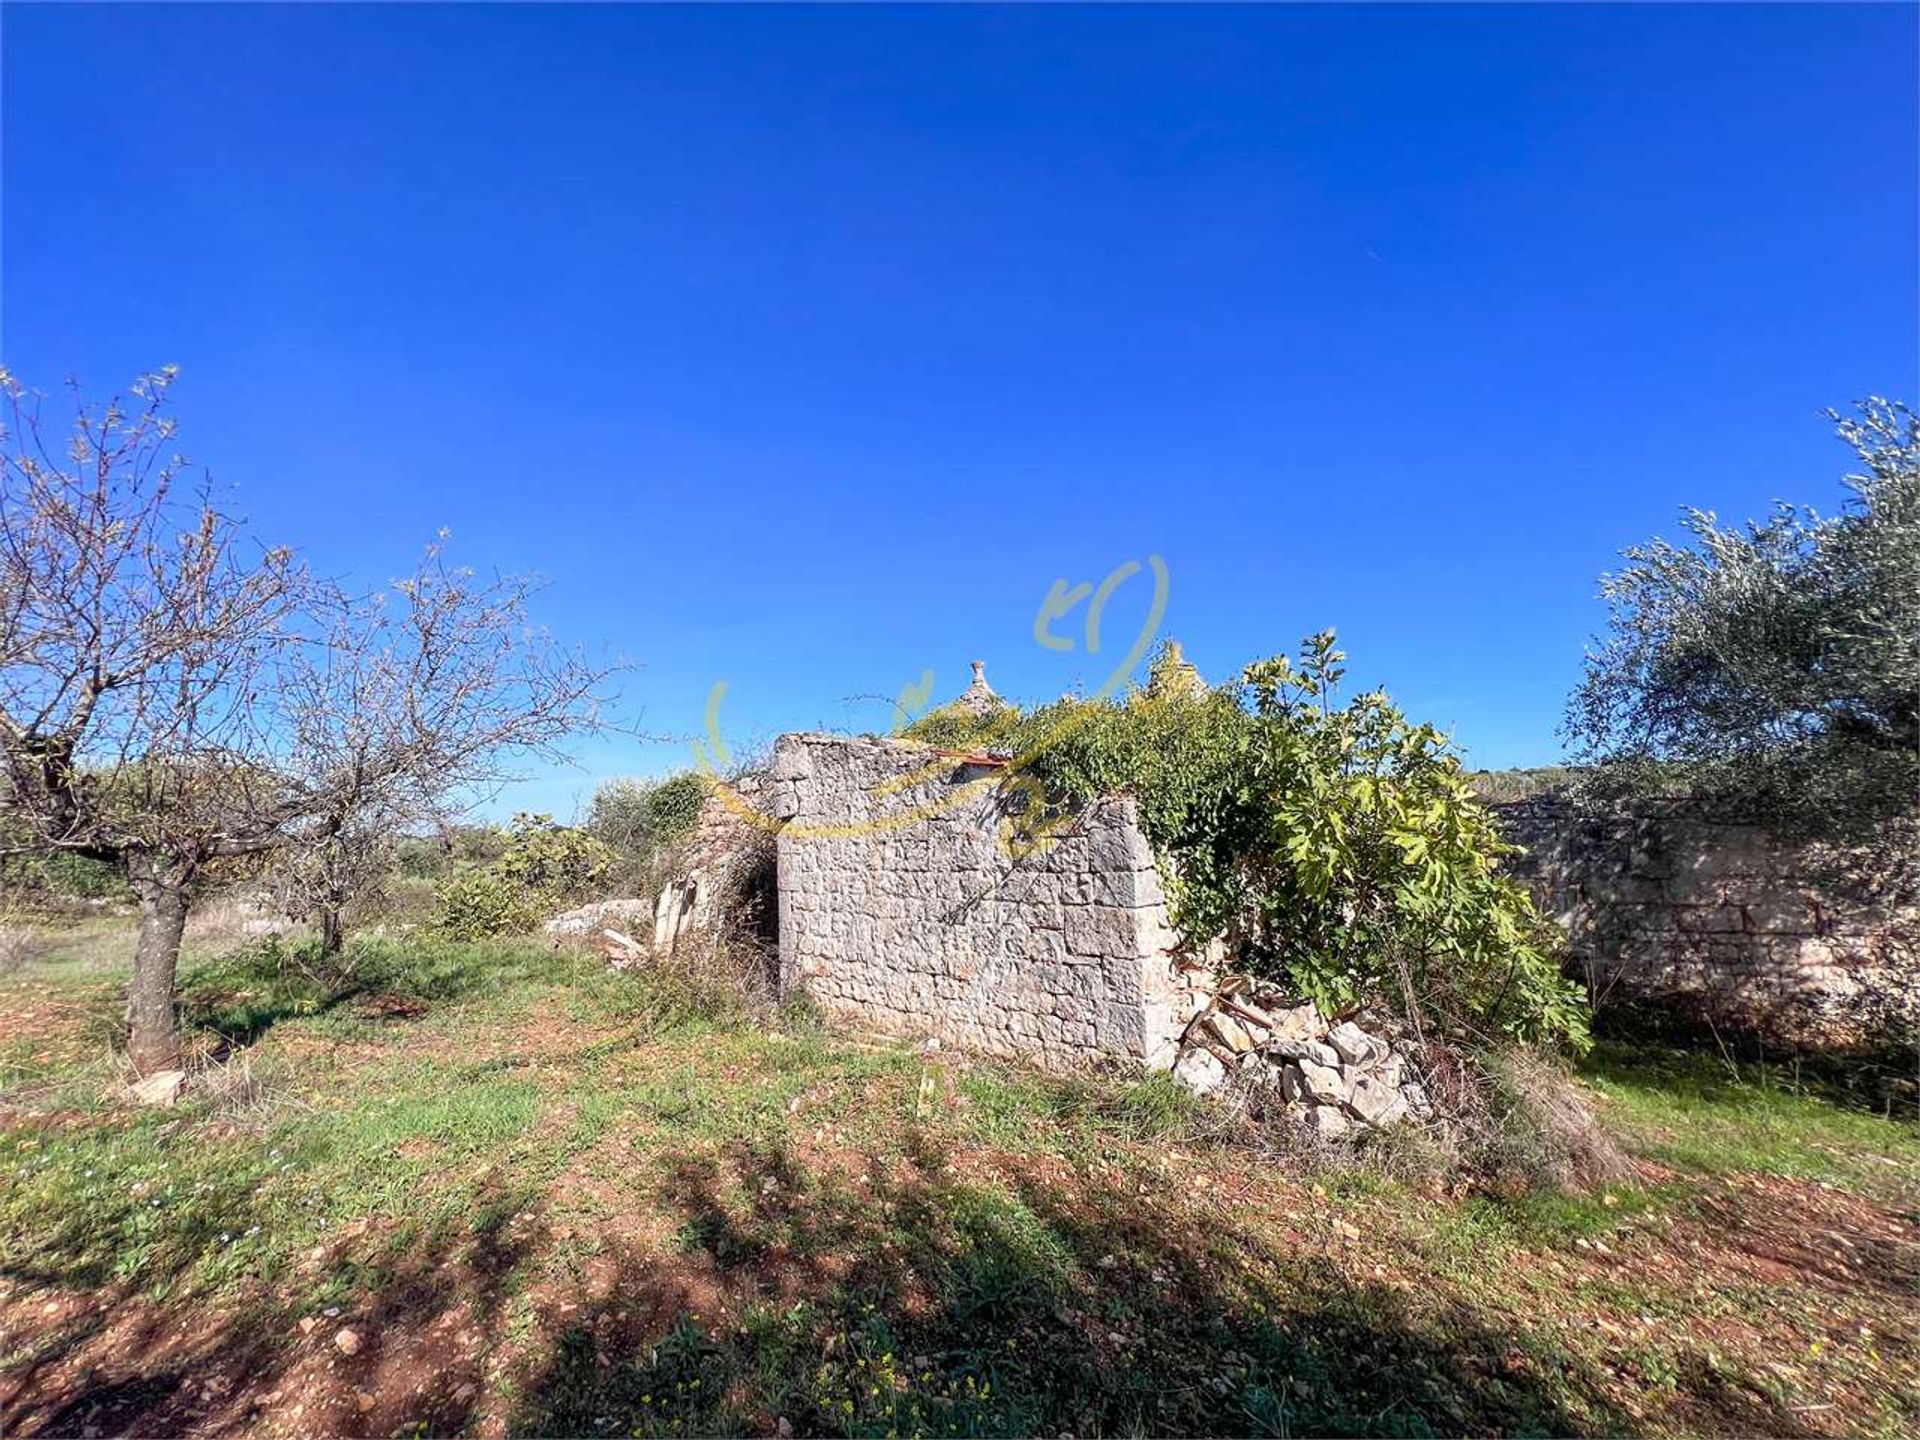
806	348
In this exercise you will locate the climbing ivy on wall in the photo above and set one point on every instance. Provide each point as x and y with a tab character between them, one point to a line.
1337	847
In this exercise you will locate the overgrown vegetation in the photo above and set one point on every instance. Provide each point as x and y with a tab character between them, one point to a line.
639	818
1337	847
1774	668
503	881
57	877
542	867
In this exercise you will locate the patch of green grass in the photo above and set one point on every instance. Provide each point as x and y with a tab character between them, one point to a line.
1481	1234
455	1120
1157	1107
1010	1106
79	948
241	993
1692	1110
1022	1108
136	1201
25	1059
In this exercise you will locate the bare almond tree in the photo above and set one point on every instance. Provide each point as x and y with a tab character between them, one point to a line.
173	697
138	631
432	689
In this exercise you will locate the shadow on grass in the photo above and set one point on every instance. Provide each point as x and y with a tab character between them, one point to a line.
419	1322
935	1304
240	995
827	1295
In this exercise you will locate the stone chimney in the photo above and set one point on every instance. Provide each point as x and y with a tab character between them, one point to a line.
1172	674
979	697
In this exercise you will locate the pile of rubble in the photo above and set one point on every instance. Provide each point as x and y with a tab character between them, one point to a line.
614	928
723	869
1287	1059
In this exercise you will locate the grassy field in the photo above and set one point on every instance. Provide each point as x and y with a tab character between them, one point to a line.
495	1190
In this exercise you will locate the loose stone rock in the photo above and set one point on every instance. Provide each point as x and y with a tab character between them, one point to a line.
1302	1022
1353	1043
1321	1082
589	920
1415	1095
1231	1032
1312	1050
1374	1102
1328	1123
163	1087
1200	1071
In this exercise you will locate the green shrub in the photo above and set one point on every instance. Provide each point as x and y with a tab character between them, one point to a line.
475	844
639	818
542	868
555	863
673	806
60	875
476	902
1370	869
422	857
953	728
618	816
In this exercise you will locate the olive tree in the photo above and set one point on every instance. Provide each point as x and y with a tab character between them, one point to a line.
176	698
1775	665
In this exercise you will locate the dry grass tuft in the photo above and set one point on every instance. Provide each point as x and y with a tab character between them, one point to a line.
235	918
1547	1134
228	1086
721	971
17	946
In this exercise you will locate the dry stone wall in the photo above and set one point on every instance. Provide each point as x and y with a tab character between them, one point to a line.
902	910
1664	904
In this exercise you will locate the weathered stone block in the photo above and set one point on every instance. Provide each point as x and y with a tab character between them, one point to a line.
1375	1101
1098	930
1322	1083
1353	1043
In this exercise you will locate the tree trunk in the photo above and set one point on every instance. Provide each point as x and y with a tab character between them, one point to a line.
332	931
153	1040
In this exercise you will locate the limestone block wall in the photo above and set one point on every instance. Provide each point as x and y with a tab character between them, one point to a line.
1663	903
901	909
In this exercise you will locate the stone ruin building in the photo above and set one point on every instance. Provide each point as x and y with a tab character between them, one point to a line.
888	880
892	879
902	908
